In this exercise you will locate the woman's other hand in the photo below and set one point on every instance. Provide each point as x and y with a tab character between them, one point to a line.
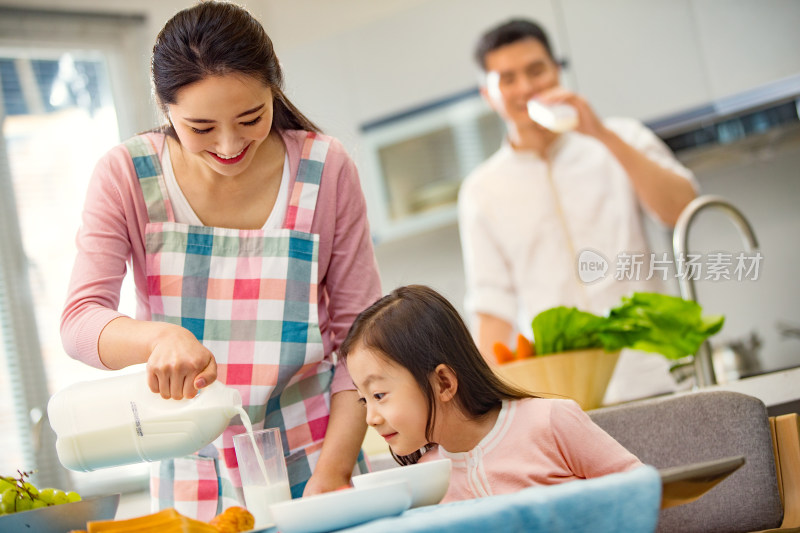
179	365
319	482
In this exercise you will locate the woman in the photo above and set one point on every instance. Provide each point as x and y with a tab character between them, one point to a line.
247	235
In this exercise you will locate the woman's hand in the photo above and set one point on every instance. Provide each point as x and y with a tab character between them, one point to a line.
341	446
179	364
320	482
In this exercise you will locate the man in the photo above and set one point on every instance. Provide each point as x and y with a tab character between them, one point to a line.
546	199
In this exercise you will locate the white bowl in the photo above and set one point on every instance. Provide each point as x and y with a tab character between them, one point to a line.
341	508
428	481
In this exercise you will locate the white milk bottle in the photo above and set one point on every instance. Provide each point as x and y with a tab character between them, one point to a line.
119	420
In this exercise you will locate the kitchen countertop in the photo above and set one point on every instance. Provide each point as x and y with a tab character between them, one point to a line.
779	390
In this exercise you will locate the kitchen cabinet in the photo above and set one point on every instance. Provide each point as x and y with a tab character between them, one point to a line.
778	390
633	58
651	59
746	43
424	54
417	161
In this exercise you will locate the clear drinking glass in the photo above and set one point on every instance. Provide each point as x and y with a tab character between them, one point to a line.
263	471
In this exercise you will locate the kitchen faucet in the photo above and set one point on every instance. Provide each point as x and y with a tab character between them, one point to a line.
703	364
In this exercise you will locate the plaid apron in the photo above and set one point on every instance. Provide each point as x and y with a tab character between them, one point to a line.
250	296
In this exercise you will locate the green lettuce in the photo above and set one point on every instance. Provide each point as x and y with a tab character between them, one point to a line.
651	322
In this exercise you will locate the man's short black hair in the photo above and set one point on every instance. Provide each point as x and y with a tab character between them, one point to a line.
507	33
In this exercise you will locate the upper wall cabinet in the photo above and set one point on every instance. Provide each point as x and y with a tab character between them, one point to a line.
426	53
649	59
747	43
417	159
635	58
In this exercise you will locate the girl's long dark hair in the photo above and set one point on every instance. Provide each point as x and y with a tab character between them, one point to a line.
216	38
417	328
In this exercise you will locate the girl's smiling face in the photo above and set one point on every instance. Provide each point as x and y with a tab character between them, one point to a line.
223	120
396	406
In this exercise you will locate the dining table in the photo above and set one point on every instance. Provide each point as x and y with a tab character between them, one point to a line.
627	501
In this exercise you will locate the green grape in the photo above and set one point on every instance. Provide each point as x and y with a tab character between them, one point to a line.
6	483
60	497
6	508
24	504
46	495
38	504
17	494
32	490
9	496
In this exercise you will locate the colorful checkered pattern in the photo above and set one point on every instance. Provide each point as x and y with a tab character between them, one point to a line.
148	170
190	485
304	193
250	296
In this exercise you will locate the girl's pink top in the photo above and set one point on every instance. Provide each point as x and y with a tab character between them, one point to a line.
111	240
535	441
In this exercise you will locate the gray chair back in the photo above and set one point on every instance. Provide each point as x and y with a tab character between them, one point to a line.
703	426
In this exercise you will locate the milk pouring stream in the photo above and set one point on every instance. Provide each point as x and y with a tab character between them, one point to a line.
118	420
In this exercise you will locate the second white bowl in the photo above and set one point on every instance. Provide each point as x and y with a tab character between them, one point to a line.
428	481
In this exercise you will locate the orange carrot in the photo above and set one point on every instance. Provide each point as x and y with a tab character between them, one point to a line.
503	353
524	347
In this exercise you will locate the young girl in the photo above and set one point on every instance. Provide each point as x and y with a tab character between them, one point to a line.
246	233
431	395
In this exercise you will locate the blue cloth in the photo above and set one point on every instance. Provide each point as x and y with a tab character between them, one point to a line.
628	501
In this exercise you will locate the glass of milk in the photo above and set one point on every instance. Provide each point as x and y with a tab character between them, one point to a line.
558	118
263	472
